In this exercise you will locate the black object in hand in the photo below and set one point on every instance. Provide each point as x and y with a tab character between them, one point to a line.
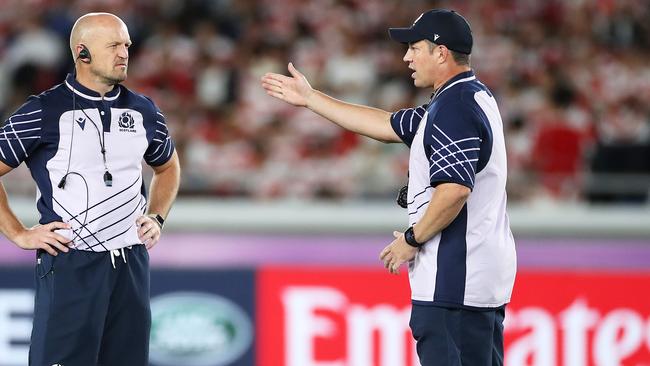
402	195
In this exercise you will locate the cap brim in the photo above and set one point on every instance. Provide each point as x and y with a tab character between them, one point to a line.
405	35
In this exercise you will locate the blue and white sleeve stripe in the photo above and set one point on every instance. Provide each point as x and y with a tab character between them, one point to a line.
161	146
405	122
453	145
21	133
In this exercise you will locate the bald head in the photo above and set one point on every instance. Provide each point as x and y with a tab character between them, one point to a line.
88	27
104	40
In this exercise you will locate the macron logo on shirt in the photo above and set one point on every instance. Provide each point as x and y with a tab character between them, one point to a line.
81	121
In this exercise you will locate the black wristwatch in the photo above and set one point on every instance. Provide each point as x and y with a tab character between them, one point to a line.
409	236
158	219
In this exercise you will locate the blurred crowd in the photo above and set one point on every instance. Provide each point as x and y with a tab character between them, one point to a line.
571	78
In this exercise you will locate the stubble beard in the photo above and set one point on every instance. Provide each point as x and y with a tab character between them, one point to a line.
110	79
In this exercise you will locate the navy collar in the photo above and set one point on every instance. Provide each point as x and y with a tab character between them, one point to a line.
459	78
76	87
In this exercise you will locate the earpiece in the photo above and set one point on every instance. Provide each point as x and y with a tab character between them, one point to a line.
84	54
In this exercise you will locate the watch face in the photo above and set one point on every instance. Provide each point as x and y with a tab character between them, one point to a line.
158	219
409	236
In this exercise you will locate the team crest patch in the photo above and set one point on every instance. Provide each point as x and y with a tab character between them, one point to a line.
126	122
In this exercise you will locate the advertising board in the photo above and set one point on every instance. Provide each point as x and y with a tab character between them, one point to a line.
344	316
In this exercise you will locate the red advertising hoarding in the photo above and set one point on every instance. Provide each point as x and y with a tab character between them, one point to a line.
347	317
576	319
332	317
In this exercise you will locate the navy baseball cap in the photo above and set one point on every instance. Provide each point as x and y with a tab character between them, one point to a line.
440	26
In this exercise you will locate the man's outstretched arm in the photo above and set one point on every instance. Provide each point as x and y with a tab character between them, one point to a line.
295	90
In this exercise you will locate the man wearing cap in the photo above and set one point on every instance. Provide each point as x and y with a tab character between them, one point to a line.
459	247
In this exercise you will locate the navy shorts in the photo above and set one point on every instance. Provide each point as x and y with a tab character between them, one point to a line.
88	313
448	336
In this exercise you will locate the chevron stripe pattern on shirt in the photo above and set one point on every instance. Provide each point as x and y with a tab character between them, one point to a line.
18	133
63	130
458	138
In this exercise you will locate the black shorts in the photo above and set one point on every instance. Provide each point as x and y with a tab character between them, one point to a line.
447	336
88	313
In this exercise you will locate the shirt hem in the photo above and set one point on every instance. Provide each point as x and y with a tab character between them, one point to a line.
124	246
10	164
455	305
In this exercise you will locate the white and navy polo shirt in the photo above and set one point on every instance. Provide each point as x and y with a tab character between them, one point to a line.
472	262
66	125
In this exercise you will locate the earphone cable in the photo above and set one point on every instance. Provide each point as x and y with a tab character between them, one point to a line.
67	169
102	138
85	221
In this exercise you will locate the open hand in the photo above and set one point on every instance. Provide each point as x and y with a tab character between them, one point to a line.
293	90
397	253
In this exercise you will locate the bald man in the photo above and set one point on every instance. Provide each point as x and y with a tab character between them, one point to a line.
108	38
84	141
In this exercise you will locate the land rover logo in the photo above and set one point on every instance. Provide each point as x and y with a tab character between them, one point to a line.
197	329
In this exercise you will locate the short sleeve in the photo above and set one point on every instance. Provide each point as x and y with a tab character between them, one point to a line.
161	145
20	134
405	122
452	143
